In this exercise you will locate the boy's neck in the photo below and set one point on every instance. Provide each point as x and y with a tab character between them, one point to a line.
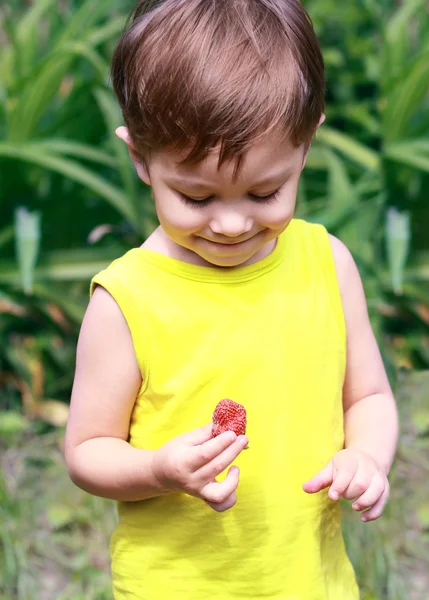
160	242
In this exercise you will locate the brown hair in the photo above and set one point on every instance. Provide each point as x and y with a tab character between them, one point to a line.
190	74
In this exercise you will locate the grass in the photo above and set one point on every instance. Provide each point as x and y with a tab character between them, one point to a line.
54	538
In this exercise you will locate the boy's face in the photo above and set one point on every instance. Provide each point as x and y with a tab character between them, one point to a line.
209	219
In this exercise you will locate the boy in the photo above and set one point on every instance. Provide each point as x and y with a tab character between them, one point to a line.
229	297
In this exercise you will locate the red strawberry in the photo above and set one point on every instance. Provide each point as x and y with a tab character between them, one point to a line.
229	416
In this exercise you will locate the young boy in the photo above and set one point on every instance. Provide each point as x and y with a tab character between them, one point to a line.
229	298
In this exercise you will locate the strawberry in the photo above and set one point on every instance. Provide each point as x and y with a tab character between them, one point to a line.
229	416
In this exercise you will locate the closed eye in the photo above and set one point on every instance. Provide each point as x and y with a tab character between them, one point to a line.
266	199
195	202
201	202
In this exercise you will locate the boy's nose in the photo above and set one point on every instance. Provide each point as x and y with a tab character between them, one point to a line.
231	224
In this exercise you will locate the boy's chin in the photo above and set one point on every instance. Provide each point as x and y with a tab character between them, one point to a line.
238	260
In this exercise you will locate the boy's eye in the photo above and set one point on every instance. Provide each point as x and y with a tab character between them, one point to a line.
201	202
267	199
195	202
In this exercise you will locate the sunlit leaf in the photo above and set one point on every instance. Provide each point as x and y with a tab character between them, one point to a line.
72	148
398	234
352	149
12	422
27	232
414	153
404	99
396	37
66	265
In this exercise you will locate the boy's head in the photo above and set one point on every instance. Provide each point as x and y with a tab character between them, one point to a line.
217	82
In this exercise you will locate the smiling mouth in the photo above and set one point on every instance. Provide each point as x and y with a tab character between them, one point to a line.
236	243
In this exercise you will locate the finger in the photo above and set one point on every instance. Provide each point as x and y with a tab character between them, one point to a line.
198	436
358	485
208	451
343	477
222	460
371	495
321	480
376	510
223	506
218	492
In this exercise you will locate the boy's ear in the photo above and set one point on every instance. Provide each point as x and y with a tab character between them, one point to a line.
142	172
307	150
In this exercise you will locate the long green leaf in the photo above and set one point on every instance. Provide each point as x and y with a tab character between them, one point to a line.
74	265
82	19
71	148
36	97
112	116
27	236
76	172
396	38
107	31
405	98
398	235
341	193
6	235
20	55
79	48
413	153
355	151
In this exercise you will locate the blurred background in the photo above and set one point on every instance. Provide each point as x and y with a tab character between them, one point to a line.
70	203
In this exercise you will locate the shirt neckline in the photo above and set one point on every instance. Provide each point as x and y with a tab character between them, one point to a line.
214	274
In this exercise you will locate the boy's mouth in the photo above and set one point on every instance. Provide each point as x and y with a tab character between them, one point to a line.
230	242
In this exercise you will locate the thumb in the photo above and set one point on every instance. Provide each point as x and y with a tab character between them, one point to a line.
198	436
321	480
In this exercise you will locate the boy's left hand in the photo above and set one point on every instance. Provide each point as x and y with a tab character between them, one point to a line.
354	475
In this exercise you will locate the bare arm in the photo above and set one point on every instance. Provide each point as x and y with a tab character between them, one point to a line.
107	379
370	417
99	458
359	471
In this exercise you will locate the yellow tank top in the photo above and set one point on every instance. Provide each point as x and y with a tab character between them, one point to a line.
270	336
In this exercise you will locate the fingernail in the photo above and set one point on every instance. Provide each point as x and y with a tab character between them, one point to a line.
363	518
355	506
334	495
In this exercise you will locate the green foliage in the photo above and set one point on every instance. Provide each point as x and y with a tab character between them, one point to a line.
70	203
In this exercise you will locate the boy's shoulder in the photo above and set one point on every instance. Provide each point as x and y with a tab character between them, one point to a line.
345	265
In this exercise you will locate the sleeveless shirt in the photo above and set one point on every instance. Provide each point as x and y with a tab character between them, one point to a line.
270	336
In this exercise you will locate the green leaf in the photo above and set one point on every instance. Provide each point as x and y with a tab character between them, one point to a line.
398	234
405	98
60	515
414	153
79	48
353	150
36	96
71	148
341	193
112	117
12	422
80	21
32	153
67	265
107	31
6	235
18	57
396	38
27	231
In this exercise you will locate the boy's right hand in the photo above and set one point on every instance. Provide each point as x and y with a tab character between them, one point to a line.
191	462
